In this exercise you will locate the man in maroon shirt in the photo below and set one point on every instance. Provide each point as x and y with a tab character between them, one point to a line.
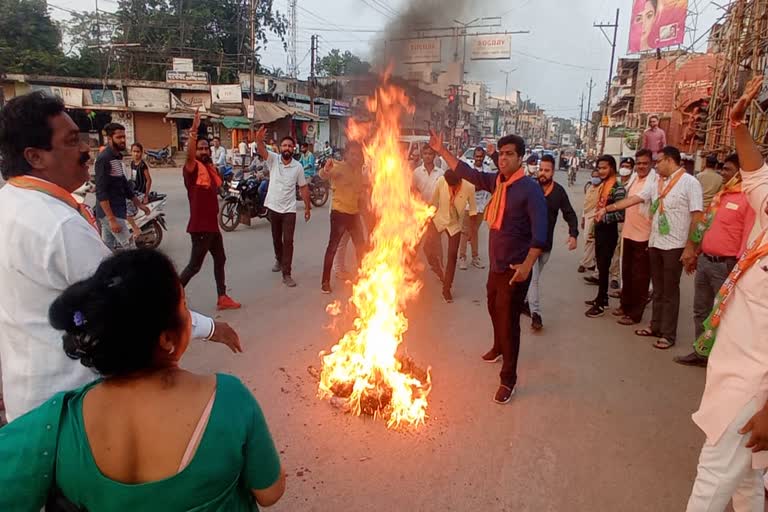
654	138
202	182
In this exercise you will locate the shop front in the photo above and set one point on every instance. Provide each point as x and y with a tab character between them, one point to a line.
149	107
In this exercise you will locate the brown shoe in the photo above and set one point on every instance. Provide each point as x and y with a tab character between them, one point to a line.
618	312
627	321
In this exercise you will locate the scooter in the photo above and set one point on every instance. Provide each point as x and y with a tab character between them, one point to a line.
153	224
161	156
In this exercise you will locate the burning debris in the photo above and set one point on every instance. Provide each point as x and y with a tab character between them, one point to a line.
363	369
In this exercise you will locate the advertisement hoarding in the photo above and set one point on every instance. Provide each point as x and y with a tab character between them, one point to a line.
227	93
657	24
145	99
186	77
183	65
492	47
421	51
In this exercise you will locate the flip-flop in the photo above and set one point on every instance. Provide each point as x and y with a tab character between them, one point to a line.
663	344
645	333
626	321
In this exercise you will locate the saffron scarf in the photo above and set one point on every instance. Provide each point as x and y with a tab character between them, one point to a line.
206	175
605	192
733	186
53	190
494	212
706	341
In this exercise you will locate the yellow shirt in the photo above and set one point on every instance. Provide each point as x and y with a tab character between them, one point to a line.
590	201
347	186
450	214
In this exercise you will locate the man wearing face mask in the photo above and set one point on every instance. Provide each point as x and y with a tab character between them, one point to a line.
557	202
626	168
285	173
454	199
587	222
113	190
202	181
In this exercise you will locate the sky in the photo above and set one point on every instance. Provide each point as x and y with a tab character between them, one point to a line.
553	63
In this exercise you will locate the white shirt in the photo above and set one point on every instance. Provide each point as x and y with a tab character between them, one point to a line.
242	148
685	198
426	182
738	364
253	148
283	178
45	246
219	155
482	197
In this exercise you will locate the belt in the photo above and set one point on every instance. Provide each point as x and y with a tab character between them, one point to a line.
721	259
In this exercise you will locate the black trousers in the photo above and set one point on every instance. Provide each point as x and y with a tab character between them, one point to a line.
606	238
283	228
666	270
505	303
341	223
453	256
202	244
636	276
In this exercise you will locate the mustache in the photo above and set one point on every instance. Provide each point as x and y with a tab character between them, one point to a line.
84	158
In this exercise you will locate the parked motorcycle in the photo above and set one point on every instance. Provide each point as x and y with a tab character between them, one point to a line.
227	174
242	204
163	156
152	225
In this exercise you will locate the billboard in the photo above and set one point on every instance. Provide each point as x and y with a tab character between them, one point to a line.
657	24
492	47
420	51
227	93
145	99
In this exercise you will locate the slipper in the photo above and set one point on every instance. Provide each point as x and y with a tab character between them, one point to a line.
626	321
663	344
645	333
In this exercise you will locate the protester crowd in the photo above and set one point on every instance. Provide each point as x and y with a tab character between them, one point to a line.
76	373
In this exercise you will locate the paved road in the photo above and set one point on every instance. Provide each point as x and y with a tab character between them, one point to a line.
601	420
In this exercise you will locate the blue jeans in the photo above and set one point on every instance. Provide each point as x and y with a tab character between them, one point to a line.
534	294
117	241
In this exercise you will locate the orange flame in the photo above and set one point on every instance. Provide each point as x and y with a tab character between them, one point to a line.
363	368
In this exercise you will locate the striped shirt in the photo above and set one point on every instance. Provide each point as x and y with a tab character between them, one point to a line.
680	203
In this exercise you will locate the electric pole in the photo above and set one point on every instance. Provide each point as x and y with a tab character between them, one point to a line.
312	75
615	27
581	119
252	18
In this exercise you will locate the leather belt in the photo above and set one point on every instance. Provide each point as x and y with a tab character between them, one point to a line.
721	259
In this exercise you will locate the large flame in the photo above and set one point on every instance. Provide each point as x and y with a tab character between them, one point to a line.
363	368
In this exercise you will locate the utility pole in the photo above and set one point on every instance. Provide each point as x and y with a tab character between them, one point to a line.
312	75
615	27
581	119
252	19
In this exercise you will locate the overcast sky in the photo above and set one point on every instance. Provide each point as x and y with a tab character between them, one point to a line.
553	63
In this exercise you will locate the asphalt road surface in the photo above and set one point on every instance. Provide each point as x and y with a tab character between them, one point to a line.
601	420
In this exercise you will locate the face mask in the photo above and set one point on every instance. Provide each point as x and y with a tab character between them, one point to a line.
625	172
595	181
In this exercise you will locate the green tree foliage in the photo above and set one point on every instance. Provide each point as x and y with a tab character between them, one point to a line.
30	42
341	64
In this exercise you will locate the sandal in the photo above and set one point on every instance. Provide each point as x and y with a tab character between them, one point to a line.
663	344
626	321
645	333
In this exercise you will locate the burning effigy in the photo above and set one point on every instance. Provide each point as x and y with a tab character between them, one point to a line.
366	370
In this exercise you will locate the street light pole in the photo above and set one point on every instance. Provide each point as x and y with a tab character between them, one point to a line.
615	27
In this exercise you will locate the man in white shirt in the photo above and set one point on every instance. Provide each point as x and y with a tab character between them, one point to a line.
219	154
733	412
285	173
47	243
677	204
425	179
242	150
471	229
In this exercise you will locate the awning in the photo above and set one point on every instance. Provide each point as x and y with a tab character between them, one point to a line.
187	114
236	123
265	112
299	114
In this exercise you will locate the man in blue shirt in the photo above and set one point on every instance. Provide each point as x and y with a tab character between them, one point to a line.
517	217
307	161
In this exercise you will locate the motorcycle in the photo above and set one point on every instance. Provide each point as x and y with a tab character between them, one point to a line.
242	204
227	174
161	156
152	225
319	191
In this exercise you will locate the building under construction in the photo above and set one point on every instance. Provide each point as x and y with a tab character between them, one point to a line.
742	39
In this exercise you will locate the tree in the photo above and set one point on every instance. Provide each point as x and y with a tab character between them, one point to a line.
342	64
29	40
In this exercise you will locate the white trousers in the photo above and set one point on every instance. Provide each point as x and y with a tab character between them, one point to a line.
725	472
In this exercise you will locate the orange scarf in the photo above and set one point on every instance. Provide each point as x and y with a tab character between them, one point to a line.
733	186
53	190
549	188
494	212
666	190
605	192
206	175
